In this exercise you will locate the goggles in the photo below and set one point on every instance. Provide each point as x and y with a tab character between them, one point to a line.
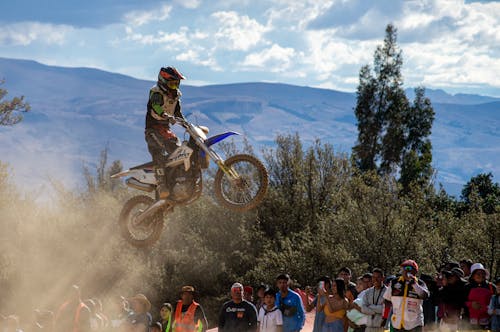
174	84
408	268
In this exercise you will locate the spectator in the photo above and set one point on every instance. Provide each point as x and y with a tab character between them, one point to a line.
324	287
479	292
465	265
430	303
260	296
406	295
12	324
367	280
248	293
356	318
95	323
73	314
189	315
372	303
156	327
237	315
359	285
351	293
166	316
290	305
119	312
494	308
295	286
100	315
336	308
451	299
139	318
270	317
43	320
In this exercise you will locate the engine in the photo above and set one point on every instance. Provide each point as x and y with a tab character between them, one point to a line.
182	188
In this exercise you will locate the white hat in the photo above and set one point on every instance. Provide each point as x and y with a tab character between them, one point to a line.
478	266
237	285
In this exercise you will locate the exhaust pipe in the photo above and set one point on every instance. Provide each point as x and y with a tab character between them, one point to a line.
152	209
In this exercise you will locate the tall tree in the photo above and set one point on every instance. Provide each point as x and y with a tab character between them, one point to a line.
392	134
417	156
9	109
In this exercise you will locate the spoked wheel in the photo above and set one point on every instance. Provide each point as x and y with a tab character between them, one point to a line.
247	189
144	233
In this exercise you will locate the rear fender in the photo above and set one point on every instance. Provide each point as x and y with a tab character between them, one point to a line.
141	175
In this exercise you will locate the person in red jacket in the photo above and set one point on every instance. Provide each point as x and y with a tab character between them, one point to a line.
479	292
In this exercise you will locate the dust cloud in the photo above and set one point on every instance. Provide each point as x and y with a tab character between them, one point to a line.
47	247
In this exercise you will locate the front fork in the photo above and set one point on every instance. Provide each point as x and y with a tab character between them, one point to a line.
233	175
228	170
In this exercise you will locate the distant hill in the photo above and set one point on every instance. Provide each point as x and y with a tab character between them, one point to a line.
76	112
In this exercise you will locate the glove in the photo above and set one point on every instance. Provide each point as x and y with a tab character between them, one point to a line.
170	119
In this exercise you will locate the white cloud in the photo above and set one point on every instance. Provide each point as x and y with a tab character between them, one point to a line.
170	40
194	57
463	53
26	33
300	13
275	59
190	4
237	32
328	53
138	18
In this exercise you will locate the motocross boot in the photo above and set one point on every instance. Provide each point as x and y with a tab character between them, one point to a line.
163	191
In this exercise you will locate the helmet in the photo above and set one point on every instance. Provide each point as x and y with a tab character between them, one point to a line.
169	78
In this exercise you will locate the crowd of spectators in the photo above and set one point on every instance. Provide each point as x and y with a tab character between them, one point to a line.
460	297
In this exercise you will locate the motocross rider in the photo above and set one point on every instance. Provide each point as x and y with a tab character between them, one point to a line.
164	102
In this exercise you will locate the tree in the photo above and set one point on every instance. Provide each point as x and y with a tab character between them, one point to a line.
392	134
8	117
417	155
481	190
102	180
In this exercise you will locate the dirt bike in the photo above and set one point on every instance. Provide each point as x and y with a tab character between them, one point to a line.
240	184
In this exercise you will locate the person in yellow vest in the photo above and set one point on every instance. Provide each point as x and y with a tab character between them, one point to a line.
406	294
189	315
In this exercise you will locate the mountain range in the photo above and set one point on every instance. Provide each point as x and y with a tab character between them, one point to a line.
77	112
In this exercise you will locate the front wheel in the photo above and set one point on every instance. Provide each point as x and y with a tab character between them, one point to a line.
145	233
248	189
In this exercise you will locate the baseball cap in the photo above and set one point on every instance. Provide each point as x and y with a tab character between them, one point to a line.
187	289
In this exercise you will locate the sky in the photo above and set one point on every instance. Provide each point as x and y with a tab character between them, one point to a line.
452	45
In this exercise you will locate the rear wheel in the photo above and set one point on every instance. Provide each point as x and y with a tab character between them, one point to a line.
247	190
144	233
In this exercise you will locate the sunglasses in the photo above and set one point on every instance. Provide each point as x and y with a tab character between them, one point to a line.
408	268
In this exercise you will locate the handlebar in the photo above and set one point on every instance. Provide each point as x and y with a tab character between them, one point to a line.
178	120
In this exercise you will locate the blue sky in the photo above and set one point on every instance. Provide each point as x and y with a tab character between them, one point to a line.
448	44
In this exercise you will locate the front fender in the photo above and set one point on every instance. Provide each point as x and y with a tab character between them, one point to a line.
217	138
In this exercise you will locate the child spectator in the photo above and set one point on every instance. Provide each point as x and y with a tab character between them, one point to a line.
494	308
270	317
